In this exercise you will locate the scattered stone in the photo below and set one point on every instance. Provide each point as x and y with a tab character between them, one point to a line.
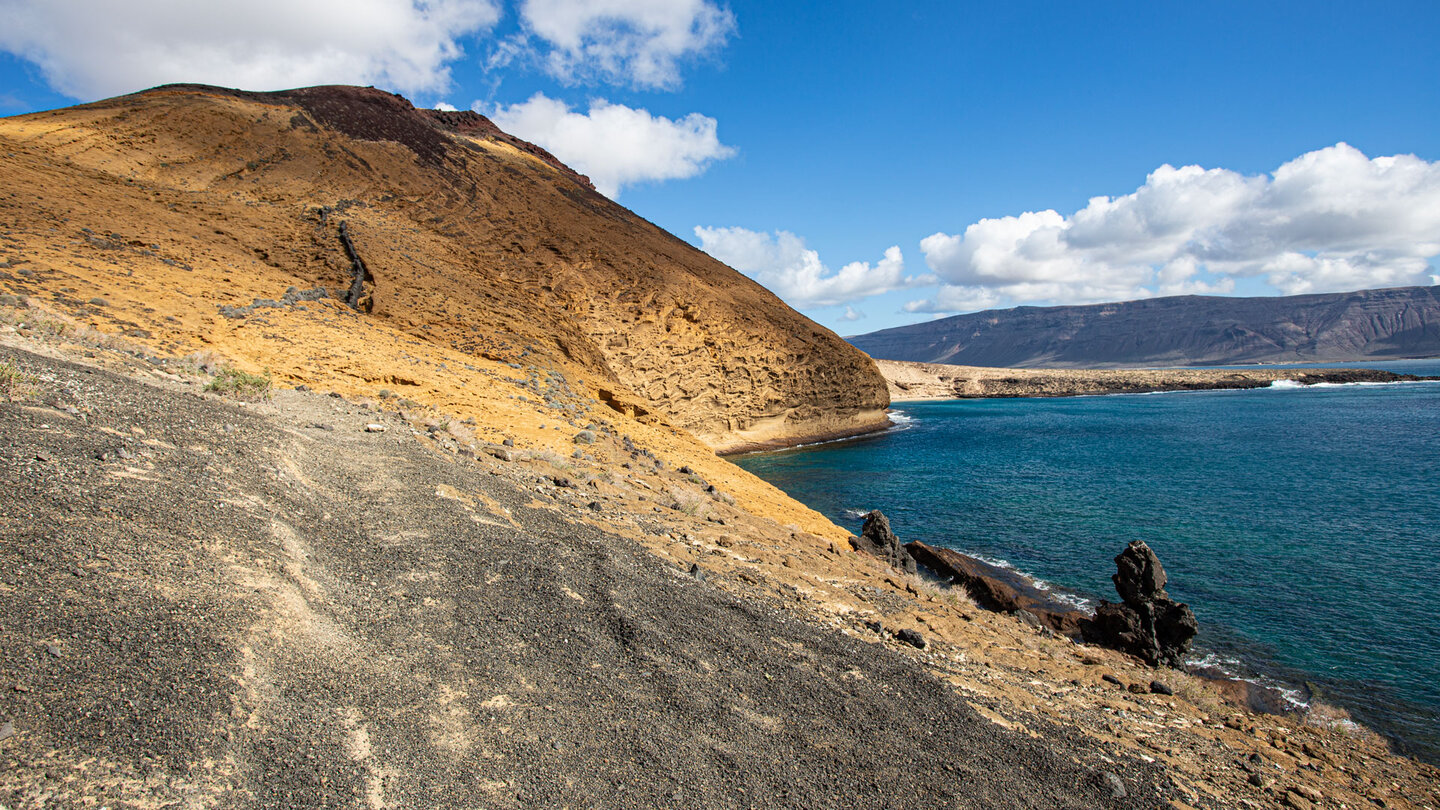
508	443
1026	617
1308	793
321	426
595	506
53	650
685	471
697	572
1160	688
1298	802
7	730
875	626
911	637
878	540
563	482
302	387
99	302
1112	679
585	437
374	427
1260	781
1114	784
1137	689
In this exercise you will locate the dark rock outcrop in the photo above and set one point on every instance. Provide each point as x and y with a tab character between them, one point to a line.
1148	623
998	589
876	539
1187	330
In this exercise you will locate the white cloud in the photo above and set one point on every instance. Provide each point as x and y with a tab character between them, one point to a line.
90	50
615	145
851	315
794	272
636	42
1329	220
444	107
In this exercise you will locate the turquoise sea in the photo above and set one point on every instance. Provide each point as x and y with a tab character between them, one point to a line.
1301	524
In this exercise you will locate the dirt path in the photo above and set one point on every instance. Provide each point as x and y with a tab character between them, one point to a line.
210	604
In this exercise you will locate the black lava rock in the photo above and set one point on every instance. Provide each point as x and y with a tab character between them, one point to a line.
878	540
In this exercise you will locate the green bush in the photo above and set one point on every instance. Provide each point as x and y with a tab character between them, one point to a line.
232	382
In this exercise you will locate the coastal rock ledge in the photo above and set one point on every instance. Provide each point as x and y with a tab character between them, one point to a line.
1147	623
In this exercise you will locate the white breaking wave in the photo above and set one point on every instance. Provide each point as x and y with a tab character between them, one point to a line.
856	514
1292	384
900	417
1230	667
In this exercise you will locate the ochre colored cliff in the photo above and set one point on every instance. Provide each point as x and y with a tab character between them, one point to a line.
473	240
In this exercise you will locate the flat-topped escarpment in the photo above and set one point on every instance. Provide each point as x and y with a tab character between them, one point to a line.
914	381
185	205
1187	330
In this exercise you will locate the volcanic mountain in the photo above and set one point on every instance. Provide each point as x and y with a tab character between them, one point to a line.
1178	331
196	217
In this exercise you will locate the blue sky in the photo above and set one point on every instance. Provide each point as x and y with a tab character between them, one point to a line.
879	164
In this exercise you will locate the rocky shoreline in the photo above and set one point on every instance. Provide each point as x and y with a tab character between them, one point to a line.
223	601
923	381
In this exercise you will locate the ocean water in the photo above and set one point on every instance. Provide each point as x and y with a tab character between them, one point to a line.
1302	524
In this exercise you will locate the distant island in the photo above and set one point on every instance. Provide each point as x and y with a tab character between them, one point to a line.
1190	330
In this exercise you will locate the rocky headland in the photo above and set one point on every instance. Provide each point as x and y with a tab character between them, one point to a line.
920	381
428	513
193	211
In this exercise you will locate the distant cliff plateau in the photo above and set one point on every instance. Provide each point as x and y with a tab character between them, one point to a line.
1191	330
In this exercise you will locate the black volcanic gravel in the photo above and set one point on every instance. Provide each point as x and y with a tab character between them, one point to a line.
209	604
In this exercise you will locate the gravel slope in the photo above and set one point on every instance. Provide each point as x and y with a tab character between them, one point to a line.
209	604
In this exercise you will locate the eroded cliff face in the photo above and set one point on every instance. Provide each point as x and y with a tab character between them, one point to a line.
469	239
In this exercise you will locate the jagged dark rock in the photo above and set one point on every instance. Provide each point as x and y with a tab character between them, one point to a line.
359	272
878	540
1148	624
911	637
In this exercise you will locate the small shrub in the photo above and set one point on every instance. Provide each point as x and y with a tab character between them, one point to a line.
688	502
14	383
232	382
204	361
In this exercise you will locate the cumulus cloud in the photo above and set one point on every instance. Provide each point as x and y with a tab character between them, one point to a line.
1329	220
636	42
782	263
90	50
615	145
850	315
